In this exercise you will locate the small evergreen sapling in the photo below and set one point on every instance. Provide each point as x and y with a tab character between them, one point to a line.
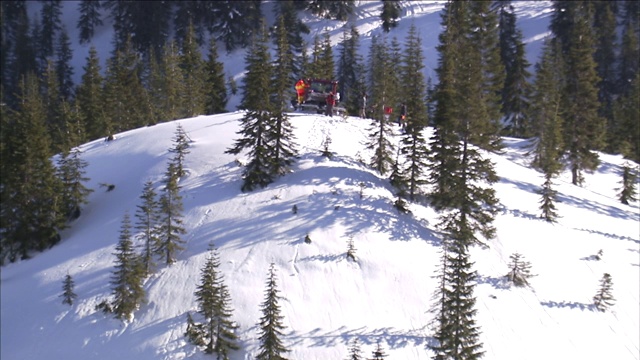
351	250
354	351
68	296
325	148
520	270
628	190
603	298
378	353
307	239
271	327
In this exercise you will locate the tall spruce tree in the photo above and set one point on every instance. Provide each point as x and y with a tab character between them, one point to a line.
390	14
217	332
516	88
546	116
89	20
604	27
215	86
170	228
627	126
413	144
351	71
89	98
235	22
628	189
31	214
192	65
180	150
64	54
127	276
271	326
147	220
51	13
255	124
282	77
584	128
294	28
72	174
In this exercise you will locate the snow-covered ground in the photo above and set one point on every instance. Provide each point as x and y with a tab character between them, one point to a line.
328	301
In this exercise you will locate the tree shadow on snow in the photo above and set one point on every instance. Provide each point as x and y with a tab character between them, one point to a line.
569	305
388	336
499	283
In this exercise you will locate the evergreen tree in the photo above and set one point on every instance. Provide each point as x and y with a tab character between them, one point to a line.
71	171
128	276
170	226
282	68
519	270
52	103
390	14
294	28
21	55
338	10
126	100
546	116
68	296
627	126
604	26
584	129
326	63
271	327
90	19
351	71
63	67
147	221
90	99
51	23
378	353
604	299
180	149
191	13
192	65
354	350
457	334
515	91
235	22
215	88
628	182
217	333
413	144
167	84
628	63
31	214
255	124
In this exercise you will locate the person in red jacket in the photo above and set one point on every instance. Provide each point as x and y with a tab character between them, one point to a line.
331	102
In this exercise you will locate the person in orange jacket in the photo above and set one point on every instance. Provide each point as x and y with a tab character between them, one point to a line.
301	90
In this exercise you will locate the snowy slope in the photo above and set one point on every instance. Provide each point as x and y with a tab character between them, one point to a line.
327	300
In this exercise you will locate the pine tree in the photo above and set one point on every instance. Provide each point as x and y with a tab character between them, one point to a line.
282	68
71	171
351	71
584	129
215	87
628	64
167	80
604	299
52	103
378	353
604	26
271	327
30	188
628	182
217	333
354	350
515	91
338	10
68	295
192	65
147	221
519	270
351	250
546	120
180	150
294	28
127	276
170	226
89	98
256	123
64	54
390	14
51	23
235	22
89	19
21	54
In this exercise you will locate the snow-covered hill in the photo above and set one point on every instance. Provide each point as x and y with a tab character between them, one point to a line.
328	301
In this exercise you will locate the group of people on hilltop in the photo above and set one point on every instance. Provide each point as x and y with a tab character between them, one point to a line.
402	114
302	87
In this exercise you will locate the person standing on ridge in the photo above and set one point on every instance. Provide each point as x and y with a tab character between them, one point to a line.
301	90
331	101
